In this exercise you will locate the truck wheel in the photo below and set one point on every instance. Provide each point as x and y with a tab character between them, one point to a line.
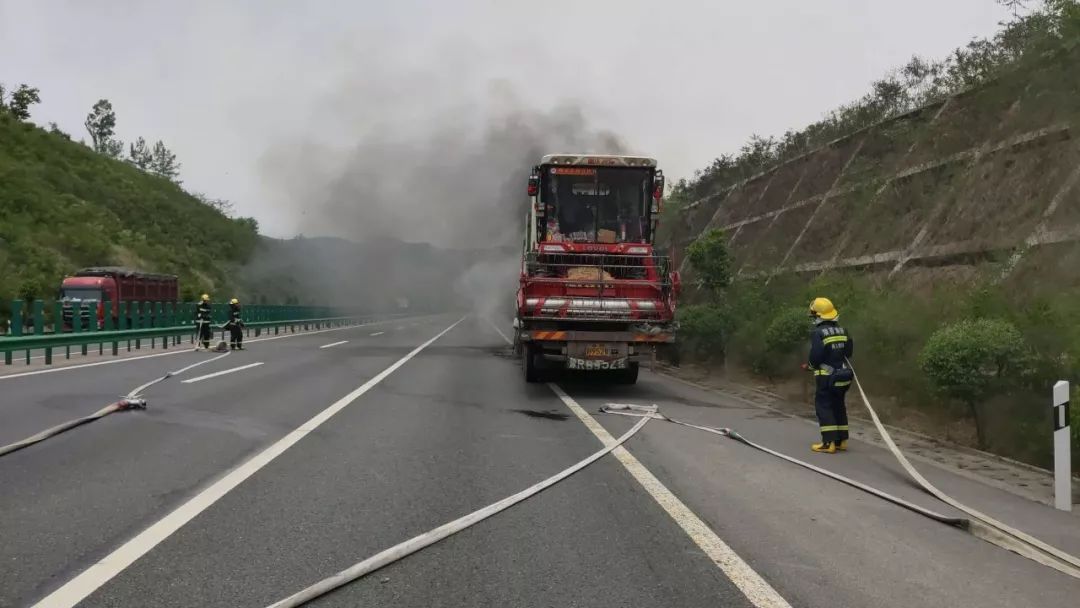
628	375
528	363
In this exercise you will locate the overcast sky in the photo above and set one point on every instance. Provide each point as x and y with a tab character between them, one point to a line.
234	87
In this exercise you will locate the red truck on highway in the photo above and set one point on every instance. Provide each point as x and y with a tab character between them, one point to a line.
96	286
593	293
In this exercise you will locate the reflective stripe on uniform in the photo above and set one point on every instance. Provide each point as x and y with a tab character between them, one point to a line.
842	427
842	383
829	427
821	372
834	339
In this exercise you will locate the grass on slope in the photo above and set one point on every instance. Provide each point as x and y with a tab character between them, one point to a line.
64	206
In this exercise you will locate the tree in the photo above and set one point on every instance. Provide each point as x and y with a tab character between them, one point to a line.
224	206
969	361
114	148
100	122
55	129
21	100
139	154
164	163
709	257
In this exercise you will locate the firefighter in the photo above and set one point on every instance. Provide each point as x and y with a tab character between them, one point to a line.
830	348
203	320
235	326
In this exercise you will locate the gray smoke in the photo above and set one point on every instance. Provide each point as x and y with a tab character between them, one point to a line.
451	175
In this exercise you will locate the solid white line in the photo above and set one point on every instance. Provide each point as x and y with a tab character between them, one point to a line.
222	373
332	344
755	588
496	328
378	333
78	588
181	349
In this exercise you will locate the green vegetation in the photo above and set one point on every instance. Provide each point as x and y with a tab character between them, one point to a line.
933	336
65	206
1049	29
709	256
970	361
986	353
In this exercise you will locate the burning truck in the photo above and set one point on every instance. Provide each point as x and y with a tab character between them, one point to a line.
594	294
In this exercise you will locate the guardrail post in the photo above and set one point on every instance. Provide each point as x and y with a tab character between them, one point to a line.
58	317
127	319
171	308
39	317
91	325
1062	462
110	325
17	318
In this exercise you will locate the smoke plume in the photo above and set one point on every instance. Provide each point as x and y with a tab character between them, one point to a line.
448	170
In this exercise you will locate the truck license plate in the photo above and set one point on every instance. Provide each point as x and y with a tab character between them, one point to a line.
596	350
594	364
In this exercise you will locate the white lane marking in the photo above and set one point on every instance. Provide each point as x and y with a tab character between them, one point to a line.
378	333
496	328
756	589
78	588
333	344
222	372
181	349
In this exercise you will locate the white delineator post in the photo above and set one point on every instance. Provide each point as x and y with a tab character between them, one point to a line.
1062	462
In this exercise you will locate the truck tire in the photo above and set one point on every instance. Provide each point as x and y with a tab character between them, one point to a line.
628	375
529	364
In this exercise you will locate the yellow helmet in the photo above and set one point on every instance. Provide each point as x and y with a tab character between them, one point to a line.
822	308
205	297
234	301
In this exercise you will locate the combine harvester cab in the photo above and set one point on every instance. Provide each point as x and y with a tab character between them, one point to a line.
594	295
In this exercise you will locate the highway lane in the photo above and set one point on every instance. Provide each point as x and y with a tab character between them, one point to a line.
73	497
817	540
452	430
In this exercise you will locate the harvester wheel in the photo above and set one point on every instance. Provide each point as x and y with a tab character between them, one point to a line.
529	363
628	375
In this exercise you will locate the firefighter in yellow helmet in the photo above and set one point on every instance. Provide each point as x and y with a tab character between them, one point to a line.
203	319
830	348
235	326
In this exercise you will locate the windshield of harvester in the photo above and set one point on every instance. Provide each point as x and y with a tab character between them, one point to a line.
596	204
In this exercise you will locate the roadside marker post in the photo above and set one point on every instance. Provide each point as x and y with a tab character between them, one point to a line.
1062	456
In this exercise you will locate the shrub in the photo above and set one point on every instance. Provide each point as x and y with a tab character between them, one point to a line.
969	360
709	257
788	329
704	329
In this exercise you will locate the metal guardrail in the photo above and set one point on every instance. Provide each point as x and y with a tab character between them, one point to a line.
164	336
35	319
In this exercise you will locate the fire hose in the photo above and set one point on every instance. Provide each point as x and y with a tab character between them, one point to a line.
978	524
401	550
133	400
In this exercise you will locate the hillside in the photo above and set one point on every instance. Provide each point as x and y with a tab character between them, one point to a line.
65	206
965	208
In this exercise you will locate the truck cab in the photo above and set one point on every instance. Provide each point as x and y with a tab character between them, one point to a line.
593	292
89	289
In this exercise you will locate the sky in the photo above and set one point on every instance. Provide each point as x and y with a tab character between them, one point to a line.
403	112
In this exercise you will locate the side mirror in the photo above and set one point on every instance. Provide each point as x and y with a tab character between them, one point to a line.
658	185
534	185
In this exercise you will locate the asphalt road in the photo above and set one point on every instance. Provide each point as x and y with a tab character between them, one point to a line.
452	428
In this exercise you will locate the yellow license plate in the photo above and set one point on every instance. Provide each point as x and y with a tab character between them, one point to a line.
596	350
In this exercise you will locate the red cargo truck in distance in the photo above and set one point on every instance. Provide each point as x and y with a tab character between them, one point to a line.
96	286
593	293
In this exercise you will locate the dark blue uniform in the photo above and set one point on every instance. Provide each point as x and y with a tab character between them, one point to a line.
202	323
830	346
235	327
